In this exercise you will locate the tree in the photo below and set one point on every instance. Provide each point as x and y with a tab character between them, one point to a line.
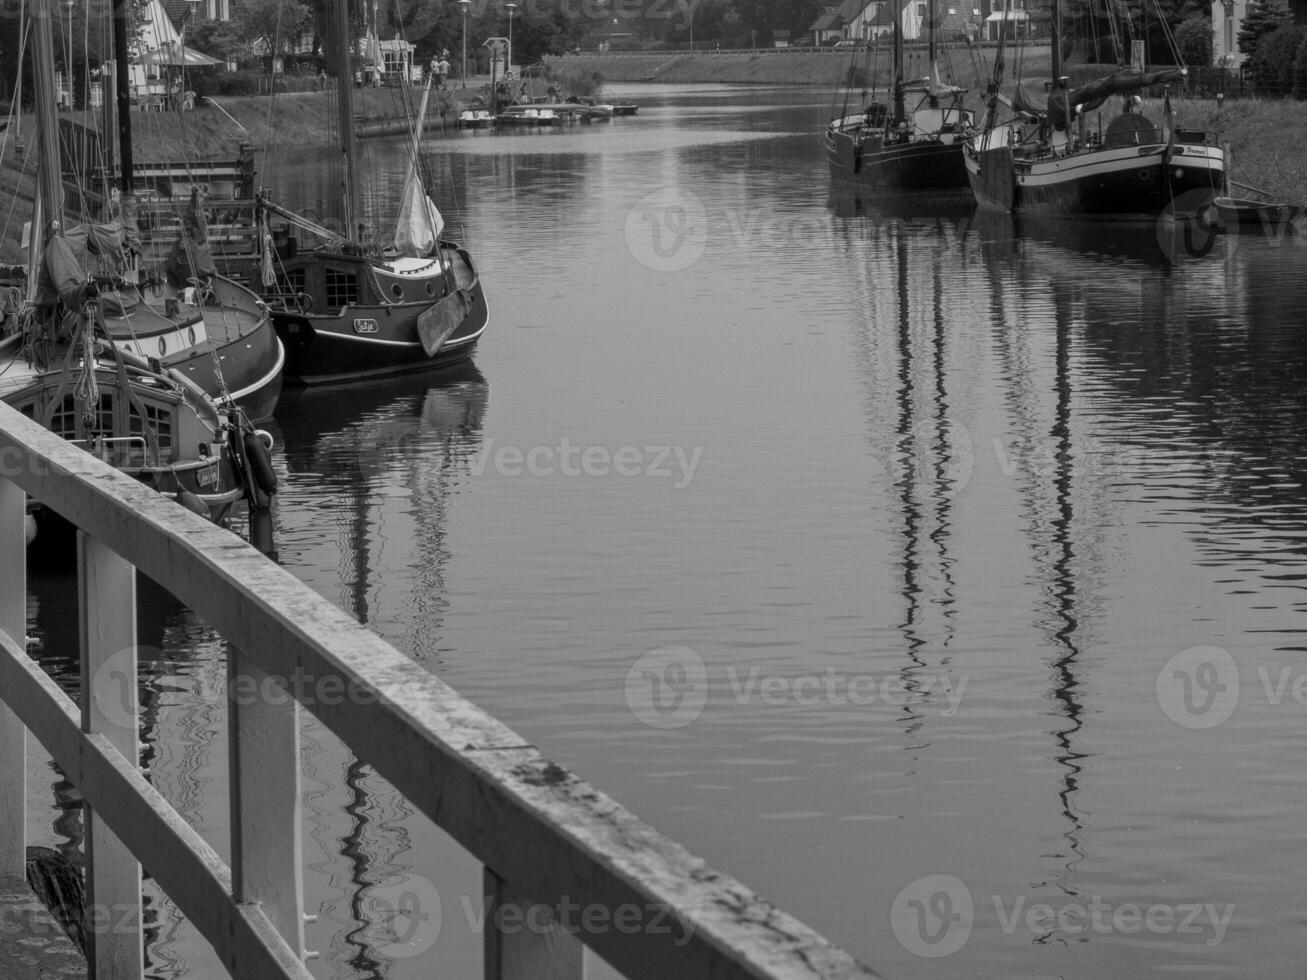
1263	17
1194	39
225	39
280	23
1300	71
1272	64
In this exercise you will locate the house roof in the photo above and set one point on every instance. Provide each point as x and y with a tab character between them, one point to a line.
833	18
956	22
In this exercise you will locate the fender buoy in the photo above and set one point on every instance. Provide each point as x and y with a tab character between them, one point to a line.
191	502
259	462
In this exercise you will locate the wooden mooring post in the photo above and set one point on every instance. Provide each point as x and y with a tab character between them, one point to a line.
551	844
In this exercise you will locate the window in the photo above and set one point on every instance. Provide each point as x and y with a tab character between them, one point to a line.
342	288
64	421
160	418
104	416
290	282
952	12
921	10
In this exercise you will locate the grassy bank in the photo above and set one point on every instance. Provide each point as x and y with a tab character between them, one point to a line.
777	67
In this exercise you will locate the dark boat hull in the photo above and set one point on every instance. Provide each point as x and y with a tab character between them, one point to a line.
924	164
1124	182
369	341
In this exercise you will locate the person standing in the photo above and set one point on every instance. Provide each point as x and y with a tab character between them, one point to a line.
442	72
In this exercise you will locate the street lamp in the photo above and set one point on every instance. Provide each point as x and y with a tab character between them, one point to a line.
464	5
512	9
68	78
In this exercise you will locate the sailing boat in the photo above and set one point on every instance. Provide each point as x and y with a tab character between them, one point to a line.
213	330
1046	161
347	311
58	366
885	146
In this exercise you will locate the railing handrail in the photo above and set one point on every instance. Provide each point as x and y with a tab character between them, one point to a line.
550	836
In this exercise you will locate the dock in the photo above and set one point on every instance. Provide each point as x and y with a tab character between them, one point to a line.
32	945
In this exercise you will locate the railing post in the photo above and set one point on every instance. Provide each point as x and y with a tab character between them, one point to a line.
266	844
13	736
111	707
523	941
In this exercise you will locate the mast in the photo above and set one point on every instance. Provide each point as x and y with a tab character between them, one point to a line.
121	11
345	119
50	179
1057	42
934	68
930	33
899	112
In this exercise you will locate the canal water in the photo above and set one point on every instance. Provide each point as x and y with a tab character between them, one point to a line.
940	578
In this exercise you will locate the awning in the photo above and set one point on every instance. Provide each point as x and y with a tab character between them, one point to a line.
998	15
172	53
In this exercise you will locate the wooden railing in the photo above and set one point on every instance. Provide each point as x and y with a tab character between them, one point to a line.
545	838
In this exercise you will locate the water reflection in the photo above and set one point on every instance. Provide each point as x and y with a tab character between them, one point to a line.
367	473
1118	354
1034	461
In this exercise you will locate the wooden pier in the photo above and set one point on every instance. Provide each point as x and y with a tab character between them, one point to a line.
545	838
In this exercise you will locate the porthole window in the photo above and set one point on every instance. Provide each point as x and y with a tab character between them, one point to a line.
396	290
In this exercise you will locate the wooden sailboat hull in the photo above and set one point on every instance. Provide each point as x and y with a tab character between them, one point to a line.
864	157
226	344
376	338
1119	182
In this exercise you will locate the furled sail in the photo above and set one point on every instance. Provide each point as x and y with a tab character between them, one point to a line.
1064	105
192	255
419	226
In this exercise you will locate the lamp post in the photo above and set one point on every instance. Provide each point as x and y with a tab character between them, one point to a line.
464	6
68	79
512	9
192	5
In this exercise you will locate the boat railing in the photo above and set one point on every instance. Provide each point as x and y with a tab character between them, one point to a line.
117	451
549	843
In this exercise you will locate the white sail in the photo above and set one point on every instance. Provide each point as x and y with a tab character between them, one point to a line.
419	226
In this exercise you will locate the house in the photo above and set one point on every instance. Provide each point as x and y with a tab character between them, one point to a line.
829	27
1013	15
186	12
961	20
879	17
780	39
